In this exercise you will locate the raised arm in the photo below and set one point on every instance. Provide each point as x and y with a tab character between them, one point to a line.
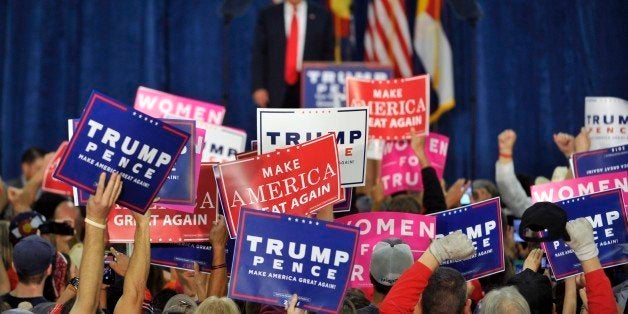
406	292
98	207
598	287
139	265
218	238
510	190
433	196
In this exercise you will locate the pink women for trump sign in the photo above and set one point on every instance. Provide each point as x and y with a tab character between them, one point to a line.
401	171
414	230
160	105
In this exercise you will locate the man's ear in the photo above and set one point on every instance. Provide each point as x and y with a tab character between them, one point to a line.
467	307
49	270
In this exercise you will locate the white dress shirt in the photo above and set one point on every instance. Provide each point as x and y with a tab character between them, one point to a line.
301	17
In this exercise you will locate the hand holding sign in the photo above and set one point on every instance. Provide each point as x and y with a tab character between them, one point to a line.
99	204
218	235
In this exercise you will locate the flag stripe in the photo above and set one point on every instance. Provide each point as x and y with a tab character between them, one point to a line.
387	39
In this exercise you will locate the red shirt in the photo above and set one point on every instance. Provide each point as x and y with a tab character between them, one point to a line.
406	292
599	293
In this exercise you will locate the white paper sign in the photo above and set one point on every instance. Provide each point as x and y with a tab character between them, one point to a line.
607	118
279	128
222	143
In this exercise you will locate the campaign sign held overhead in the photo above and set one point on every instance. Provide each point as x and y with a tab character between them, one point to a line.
222	143
197	152
298	180
558	191
179	188
111	137
323	83
400	169
481	222
600	161
414	230
396	105
184	255
50	184
278	255
279	128
161	105
604	210
171	226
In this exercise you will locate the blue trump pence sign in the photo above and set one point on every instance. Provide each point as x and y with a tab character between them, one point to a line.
279	255
112	137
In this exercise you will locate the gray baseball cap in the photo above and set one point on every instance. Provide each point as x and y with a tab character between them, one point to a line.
390	258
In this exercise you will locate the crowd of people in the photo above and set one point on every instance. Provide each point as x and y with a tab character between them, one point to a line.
52	254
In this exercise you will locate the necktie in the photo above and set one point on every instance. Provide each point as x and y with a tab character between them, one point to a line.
291	74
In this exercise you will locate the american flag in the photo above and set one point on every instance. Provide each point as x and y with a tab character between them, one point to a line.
387	38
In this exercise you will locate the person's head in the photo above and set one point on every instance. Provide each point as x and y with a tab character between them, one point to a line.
404	203
180	304
354	300
536	289
294	1
504	300
390	258
32	259
214	305
446	293
482	190
32	160
25	224
68	213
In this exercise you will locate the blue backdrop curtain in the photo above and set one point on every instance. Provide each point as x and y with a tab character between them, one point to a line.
525	66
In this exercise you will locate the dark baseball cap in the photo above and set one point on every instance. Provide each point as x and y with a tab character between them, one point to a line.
542	222
25	224
32	255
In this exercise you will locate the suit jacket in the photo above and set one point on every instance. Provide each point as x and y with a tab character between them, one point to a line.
269	47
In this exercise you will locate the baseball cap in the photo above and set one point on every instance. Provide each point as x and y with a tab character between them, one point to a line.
32	255
542	222
390	258
180	304
25	224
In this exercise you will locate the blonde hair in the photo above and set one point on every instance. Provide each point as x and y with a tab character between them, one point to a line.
214	305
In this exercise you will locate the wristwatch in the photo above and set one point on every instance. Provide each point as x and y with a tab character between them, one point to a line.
74	282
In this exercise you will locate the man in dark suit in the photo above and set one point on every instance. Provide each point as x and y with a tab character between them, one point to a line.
286	35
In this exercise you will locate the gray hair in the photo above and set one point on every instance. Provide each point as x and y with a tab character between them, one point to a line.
504	300
214	305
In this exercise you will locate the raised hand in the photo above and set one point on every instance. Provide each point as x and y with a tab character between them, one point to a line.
533	261
455	246
218	235
99	204
121	264
565	143
506	141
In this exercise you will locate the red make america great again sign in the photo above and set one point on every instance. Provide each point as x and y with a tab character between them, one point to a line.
298	180
168	225
395	106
